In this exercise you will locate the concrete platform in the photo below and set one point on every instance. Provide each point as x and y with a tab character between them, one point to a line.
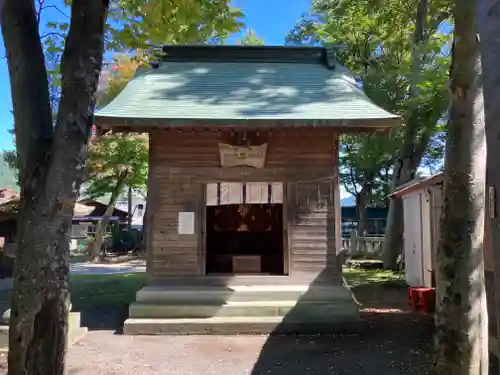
237	326
242	308
75	331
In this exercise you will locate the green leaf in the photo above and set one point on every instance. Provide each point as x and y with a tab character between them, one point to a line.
109	156
379	39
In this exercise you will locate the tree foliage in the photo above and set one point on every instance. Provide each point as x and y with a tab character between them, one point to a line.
146	23
117	75
138	29
379	48
112	155
149	24
250	38
115	161
10	156
366	160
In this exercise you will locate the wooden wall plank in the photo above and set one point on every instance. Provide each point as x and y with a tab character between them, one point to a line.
312	237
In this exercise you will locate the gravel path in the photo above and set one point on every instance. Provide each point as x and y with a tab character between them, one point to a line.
392	344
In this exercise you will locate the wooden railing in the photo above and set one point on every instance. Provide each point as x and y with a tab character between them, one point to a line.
366	244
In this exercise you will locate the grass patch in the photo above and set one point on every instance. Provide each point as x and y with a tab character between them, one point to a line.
378	290
104	291
357	276
96	291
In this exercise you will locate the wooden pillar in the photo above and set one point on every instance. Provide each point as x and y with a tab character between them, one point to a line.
148	218
202	222
336	195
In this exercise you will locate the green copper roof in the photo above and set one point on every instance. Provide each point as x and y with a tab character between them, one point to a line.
244	86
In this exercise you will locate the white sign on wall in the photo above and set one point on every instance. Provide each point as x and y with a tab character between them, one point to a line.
186	223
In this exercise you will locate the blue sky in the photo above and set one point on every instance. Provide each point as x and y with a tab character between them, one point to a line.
271	20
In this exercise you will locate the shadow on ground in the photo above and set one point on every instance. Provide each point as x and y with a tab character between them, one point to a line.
392	340
391	344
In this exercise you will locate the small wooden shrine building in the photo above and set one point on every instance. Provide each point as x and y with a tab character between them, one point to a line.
243	196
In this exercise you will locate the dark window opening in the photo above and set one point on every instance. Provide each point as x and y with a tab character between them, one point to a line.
244	228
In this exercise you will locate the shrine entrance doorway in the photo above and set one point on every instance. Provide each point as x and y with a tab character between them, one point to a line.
244	228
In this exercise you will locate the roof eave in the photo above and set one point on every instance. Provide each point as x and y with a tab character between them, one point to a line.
418	185
141	124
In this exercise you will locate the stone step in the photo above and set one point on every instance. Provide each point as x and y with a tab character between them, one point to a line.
75	331
242	293
239	325
74	335
311	309
74	319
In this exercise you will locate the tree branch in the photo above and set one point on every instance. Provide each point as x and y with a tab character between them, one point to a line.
39	11
56	8
81	64
32	112
349	190
351	172
52	33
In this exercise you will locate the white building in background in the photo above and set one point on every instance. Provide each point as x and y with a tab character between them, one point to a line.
138	207
422	202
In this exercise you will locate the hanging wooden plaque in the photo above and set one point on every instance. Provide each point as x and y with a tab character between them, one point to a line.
235	156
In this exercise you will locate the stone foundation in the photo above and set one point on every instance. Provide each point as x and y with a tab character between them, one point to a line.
243	308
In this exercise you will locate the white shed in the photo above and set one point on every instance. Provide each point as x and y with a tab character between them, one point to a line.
422	201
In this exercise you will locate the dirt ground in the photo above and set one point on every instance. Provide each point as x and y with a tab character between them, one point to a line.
381	349
395	341
392	344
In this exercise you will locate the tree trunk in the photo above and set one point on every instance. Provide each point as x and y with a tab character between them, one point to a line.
489	29
411	151
50	165
362	199
393	243
103	223
461	317
129	208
